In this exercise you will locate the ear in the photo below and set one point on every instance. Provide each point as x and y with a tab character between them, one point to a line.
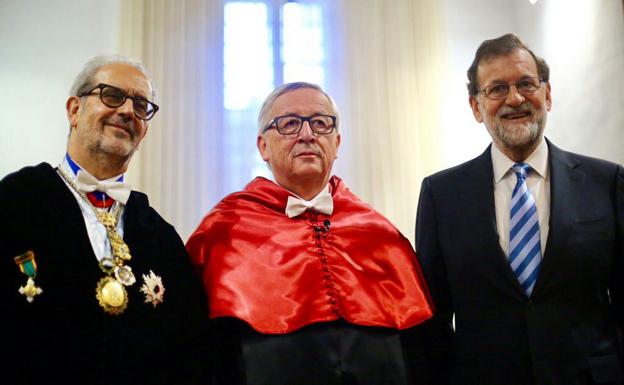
73	108
337	145
261	143
474	105
548	97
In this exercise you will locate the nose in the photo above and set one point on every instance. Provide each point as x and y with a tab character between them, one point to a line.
126	109
514	97
306	134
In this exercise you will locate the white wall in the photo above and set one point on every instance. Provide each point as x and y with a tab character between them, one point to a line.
586	52
43	45
583	42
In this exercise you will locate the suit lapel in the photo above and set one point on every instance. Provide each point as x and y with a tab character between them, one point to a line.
479	193
137	223
566	184
479	198
73	224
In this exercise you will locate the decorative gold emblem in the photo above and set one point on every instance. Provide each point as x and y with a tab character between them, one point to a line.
30	290
153	289
124	275
111	295
106	218
28	266
107	264
120	249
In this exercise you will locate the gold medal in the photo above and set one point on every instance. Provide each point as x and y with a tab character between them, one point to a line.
30	290
111	295
28	266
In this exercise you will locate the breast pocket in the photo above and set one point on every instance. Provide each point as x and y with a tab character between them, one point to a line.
590	246
591	230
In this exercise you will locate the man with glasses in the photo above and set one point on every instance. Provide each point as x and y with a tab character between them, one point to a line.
306	283
523	245
96	287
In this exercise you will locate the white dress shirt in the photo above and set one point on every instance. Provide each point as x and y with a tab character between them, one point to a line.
538	181
97	233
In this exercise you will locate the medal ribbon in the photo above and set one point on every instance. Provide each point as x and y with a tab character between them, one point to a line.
27	263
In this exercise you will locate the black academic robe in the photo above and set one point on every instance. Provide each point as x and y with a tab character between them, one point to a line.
64	336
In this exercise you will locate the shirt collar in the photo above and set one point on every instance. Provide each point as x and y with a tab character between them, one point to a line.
538	160
323	192
75	167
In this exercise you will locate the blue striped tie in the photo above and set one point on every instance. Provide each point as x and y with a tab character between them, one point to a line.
525	253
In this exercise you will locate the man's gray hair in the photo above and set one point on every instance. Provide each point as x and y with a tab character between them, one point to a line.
264	118
502	46
84	81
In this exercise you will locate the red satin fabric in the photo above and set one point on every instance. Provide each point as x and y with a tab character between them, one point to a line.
279	274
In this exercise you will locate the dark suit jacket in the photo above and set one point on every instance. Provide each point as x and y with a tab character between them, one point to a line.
569	331
63	336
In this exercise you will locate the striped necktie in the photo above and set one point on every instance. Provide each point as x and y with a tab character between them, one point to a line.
525	253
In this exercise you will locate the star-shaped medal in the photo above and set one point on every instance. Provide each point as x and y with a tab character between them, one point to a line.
153	289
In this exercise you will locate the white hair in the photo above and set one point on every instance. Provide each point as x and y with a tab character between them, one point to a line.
84	80
264	118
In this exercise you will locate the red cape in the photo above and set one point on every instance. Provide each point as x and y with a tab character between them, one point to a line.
279	274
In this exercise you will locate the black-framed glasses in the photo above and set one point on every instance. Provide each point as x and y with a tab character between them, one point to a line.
291	124
114	97
525	86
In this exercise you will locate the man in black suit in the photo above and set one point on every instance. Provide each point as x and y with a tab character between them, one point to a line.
95	286
523	245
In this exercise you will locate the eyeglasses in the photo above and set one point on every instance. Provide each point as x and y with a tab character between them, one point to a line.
525	86
114	97
291	124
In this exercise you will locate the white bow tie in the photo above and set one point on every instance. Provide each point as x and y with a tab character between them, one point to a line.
119	191
322	203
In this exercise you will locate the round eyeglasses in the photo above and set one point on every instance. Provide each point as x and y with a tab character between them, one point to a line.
114	97
526	87
291	124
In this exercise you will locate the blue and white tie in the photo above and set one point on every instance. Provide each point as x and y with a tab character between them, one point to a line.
525	253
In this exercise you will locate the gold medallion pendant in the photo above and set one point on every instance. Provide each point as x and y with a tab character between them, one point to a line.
111	295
